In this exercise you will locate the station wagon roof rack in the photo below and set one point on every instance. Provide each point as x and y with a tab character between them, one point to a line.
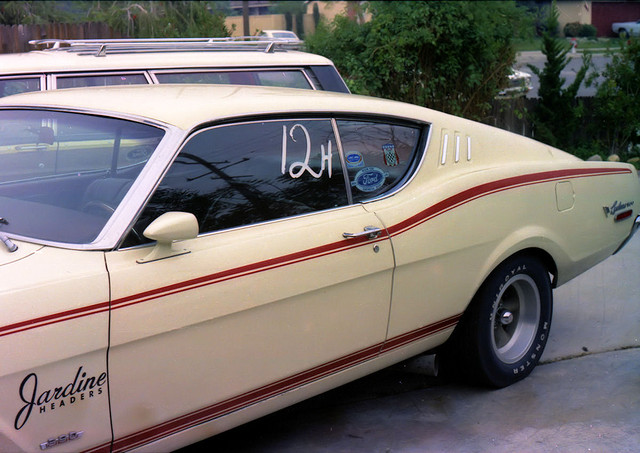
103	47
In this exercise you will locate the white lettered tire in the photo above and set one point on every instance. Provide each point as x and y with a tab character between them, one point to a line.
502	335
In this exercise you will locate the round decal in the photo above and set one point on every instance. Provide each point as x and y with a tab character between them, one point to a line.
354	159
369	179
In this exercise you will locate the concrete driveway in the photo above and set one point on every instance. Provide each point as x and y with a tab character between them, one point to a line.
585	396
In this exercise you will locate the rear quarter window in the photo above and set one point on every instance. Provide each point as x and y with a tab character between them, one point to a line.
378	156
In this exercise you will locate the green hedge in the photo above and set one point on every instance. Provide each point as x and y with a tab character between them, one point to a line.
578	30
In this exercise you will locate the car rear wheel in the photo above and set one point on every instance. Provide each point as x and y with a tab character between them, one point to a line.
502	335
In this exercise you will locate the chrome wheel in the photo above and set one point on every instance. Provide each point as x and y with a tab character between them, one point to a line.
515	318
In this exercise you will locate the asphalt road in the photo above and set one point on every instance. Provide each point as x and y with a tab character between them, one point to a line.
537	59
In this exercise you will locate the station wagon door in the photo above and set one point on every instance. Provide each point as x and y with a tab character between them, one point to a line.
285	285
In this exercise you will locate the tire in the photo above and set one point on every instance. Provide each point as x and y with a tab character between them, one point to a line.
623	34
502	335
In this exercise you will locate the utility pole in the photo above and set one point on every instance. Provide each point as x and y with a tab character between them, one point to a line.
245	18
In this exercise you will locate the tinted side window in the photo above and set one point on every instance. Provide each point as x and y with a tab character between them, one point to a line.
281	78
378	155
247	173
100	80
18	85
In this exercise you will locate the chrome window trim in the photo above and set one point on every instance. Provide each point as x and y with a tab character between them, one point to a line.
65	75
41	77
22	76
343	162
145	183
281	219
252	225
154	78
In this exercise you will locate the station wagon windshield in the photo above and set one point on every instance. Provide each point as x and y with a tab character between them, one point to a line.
62	175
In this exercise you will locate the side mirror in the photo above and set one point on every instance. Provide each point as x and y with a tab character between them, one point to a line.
170	227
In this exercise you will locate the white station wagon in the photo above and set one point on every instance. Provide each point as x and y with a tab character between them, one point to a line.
178	260
82	63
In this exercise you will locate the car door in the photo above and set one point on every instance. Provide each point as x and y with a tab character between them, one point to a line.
287	282
382	159
53	345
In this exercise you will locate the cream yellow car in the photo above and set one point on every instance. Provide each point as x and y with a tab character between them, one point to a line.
217	253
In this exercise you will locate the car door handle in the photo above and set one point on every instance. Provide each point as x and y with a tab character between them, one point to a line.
370	232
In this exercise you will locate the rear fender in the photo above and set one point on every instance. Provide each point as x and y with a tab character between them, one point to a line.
534	240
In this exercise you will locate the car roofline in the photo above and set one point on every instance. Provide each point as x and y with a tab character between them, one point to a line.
68	56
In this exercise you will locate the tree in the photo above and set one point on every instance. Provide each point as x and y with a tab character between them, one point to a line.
557	115
292	10
451	56
316	15
31	12
162	19
617	103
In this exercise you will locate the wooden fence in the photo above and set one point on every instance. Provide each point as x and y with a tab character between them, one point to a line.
509	114
514	115
15	38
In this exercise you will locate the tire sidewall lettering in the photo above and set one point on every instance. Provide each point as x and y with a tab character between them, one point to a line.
523	367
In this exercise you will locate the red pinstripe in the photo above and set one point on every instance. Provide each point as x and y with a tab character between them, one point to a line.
263	393
270	390
316	252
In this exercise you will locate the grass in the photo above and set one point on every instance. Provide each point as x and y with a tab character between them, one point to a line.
584	44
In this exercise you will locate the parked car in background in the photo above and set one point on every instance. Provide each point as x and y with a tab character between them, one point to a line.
78	63
625	29
177	260
519	84
284	36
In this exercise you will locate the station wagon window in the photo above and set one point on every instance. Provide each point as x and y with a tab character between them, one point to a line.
279	78
377	155
19	85
76	81
246	173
